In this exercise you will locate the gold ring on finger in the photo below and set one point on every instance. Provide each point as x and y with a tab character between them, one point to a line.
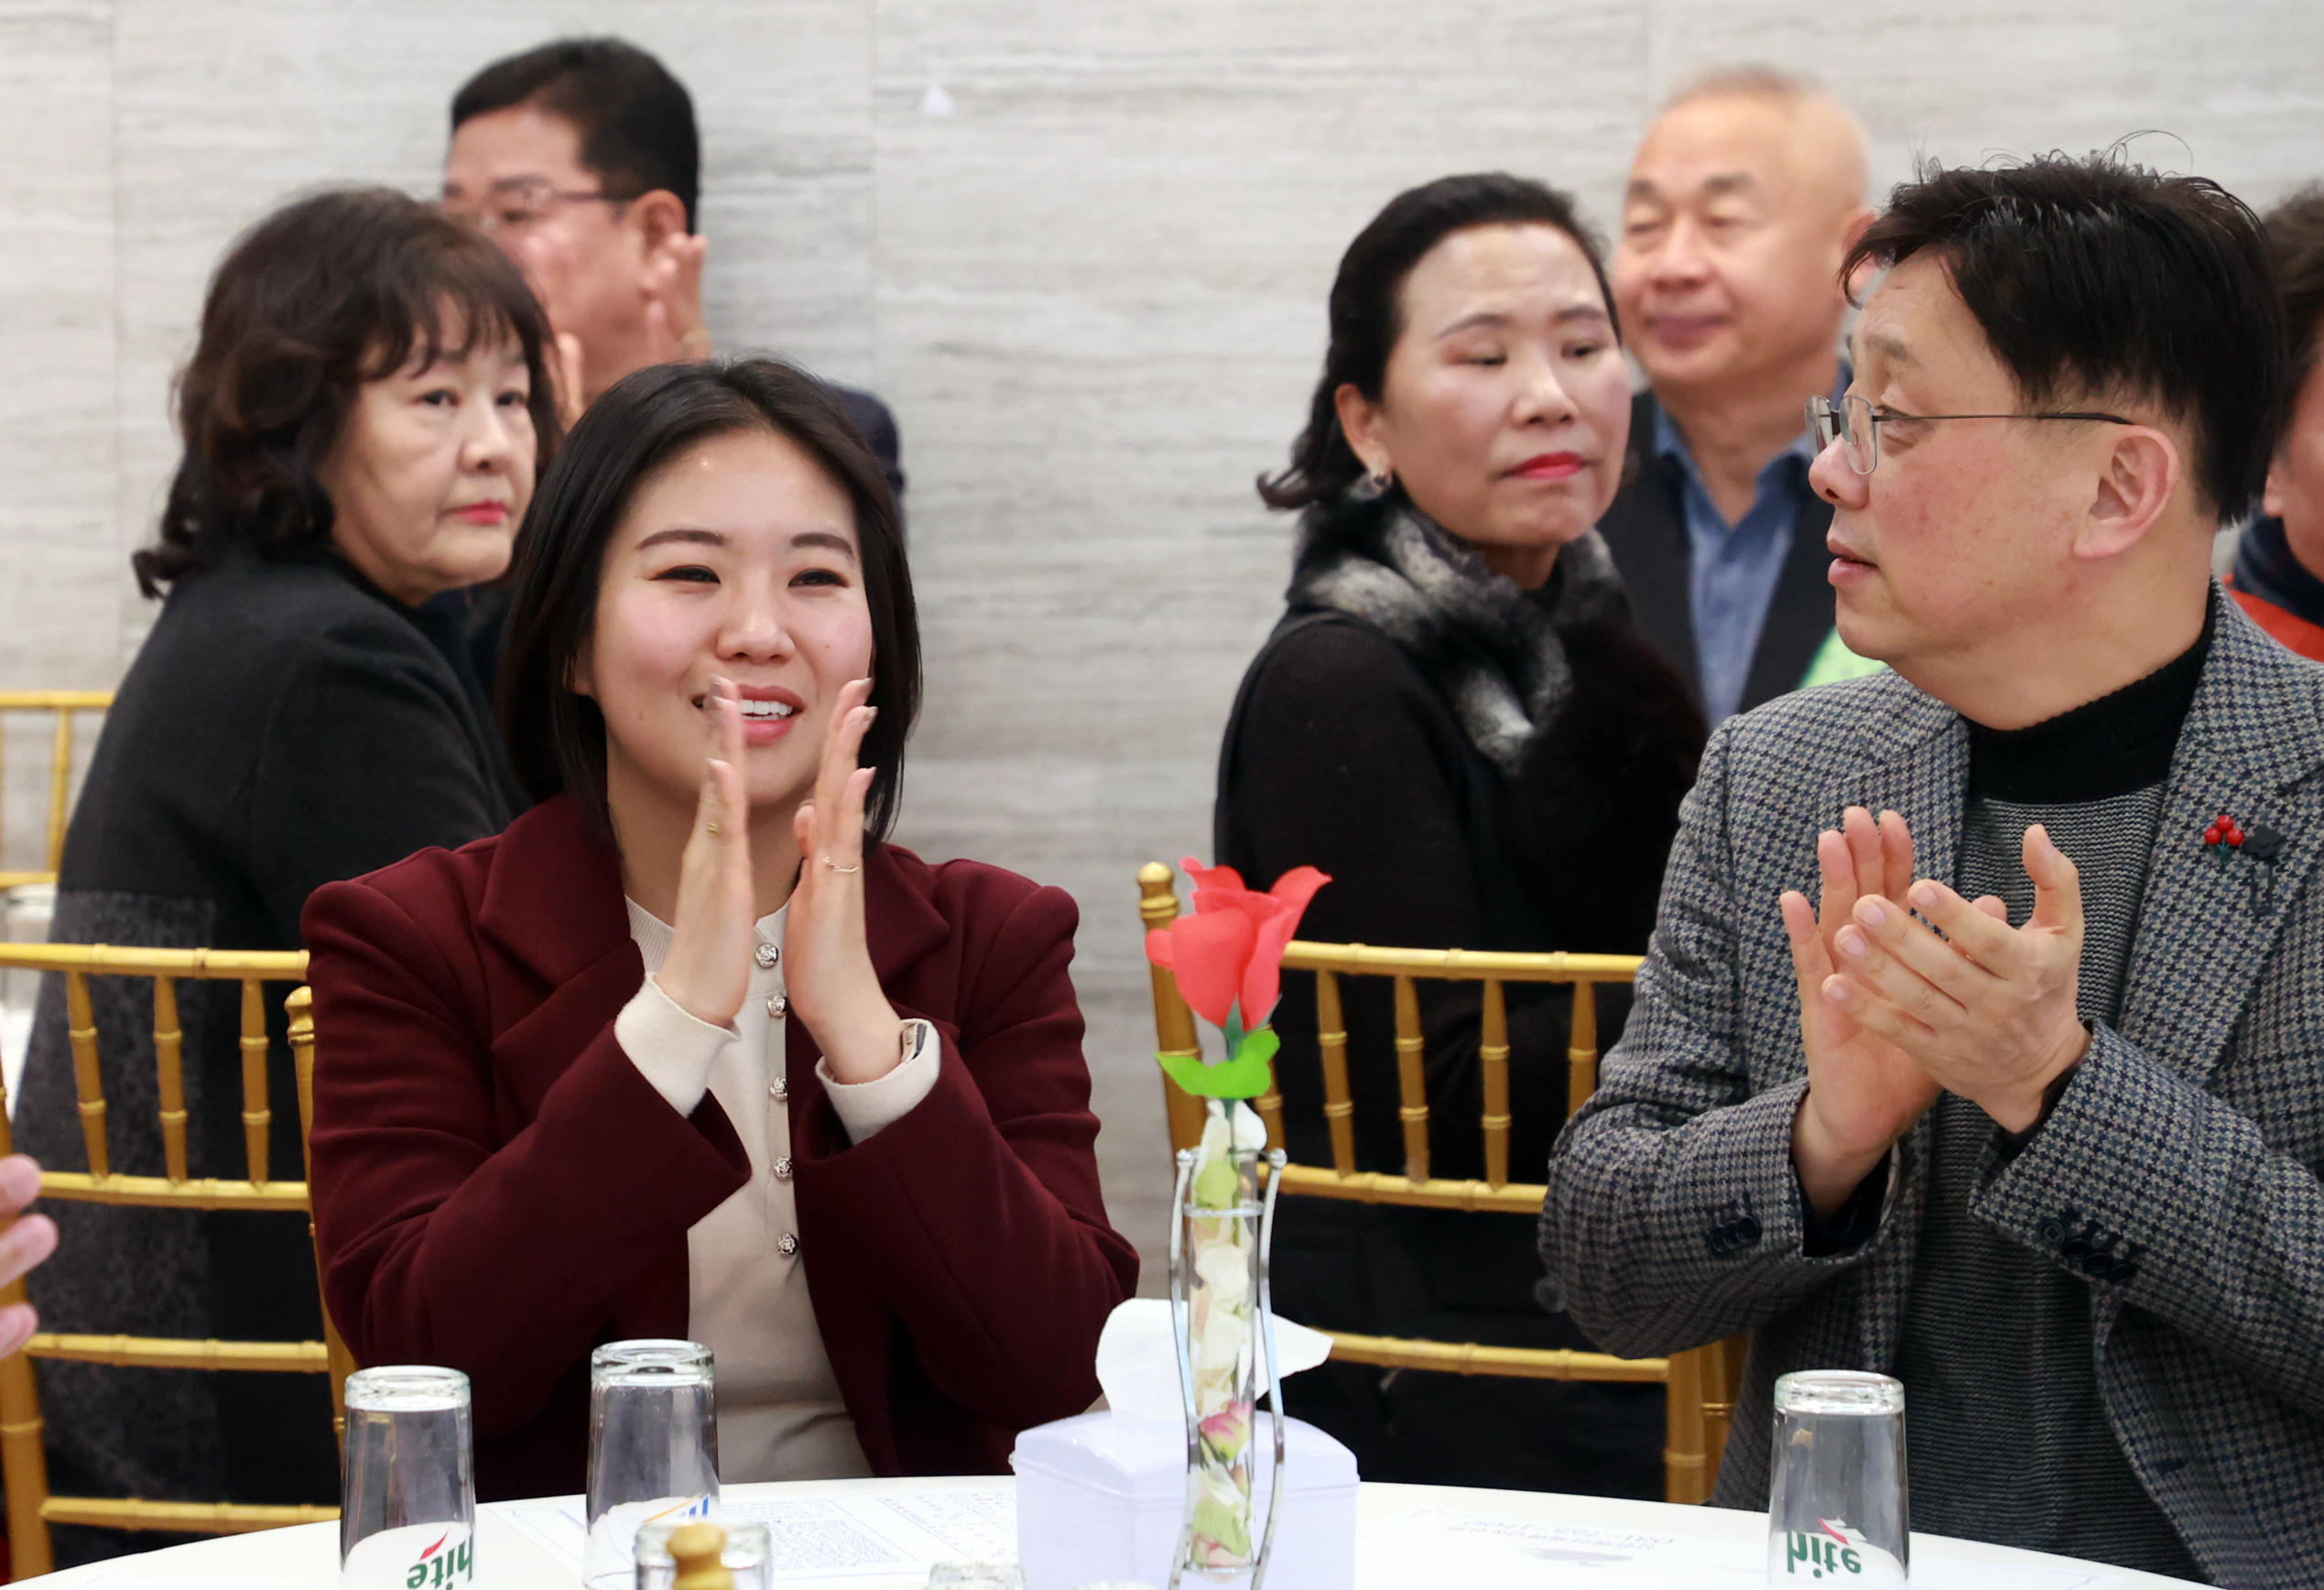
835	867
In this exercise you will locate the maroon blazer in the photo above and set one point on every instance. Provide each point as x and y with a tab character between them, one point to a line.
498	1189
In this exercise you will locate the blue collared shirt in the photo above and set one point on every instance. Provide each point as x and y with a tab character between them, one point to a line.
1731	570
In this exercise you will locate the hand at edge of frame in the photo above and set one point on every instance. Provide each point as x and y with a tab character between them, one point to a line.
26	1240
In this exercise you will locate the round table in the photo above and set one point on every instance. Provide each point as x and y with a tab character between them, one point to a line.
509	1558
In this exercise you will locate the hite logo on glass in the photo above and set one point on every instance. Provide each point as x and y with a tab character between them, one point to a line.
448	1561
1826	1550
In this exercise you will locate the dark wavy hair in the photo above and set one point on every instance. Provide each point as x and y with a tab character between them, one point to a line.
645	422
2092	277
323	295
1368	308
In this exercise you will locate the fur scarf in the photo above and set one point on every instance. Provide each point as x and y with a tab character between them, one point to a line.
1595	736
1492	650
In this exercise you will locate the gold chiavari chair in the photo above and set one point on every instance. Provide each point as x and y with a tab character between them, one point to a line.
1700	1383
30	1509
62	703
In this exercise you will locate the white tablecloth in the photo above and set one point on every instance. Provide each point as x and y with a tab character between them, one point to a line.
507	1559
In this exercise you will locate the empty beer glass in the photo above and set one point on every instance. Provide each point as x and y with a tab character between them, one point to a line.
653	1448
1837	1502
407	1489
748	1554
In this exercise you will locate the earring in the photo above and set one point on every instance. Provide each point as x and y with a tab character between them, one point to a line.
1375	482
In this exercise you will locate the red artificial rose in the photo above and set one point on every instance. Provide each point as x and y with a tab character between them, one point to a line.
1230	950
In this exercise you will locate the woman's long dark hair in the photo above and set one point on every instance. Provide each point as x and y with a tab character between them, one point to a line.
323	295
1367	309
645	422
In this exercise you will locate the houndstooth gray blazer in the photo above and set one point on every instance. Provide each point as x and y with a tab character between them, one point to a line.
2181	1168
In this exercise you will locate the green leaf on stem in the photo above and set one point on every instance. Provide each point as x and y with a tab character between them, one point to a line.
1244	1074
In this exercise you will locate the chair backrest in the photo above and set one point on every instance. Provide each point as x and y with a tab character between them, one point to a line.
30	1509
1701	1382
62	704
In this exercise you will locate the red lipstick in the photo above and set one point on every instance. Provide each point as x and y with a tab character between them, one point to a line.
1550	466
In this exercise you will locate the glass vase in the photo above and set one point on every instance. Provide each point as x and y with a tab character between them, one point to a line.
1219	1239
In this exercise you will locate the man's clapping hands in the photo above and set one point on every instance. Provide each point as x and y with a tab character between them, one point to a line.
1891	1014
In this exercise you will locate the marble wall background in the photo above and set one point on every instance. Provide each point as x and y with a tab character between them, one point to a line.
1080	246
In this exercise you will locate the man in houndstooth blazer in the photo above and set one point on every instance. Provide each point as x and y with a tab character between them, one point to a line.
2170	1169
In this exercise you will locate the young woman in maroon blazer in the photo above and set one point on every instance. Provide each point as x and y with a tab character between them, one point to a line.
688	1051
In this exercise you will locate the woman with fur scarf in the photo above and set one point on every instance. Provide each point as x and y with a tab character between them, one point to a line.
1458	721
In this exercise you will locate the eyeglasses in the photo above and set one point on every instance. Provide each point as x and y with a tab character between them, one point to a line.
1854	422
518	202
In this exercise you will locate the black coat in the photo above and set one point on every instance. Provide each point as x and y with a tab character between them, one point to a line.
284	724
1342	754
1646	529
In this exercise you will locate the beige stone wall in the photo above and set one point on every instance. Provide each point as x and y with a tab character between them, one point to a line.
1080	246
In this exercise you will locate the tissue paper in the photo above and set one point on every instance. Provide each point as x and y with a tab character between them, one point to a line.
1103	1497
1138	1359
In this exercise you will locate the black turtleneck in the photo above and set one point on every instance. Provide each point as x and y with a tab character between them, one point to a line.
2117	744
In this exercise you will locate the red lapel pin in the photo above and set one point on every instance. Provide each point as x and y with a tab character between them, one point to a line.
2224	837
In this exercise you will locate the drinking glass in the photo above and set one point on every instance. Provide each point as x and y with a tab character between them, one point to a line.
653	1448
1837	1503
407	1490
748	1554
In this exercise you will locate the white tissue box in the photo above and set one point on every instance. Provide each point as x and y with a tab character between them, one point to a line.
1103	1497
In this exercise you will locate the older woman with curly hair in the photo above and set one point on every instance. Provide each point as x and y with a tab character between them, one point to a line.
363	419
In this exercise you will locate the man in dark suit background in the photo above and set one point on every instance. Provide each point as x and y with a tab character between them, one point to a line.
581	157
1744	196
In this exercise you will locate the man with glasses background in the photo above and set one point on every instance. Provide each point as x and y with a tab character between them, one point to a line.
582	158
2016	1091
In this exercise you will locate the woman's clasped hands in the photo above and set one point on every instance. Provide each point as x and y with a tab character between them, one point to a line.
829	979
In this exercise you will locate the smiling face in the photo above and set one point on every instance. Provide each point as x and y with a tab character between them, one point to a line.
1739	210
1965	533
737	559
432	469
1505	407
